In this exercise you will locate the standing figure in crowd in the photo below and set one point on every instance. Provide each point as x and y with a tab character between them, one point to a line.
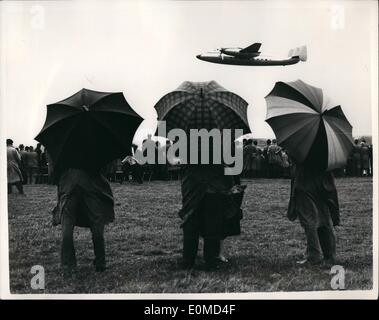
32	163
42	163
257	160
356	159
371	163
274	160
365	158
265	156
23	163
285	164
38	150
349	169
14	174
314	201
85	199
248	151
131	165
50	167
208	210
110	170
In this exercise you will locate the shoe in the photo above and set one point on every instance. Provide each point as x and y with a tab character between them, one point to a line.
187	265
68	273
212	265
222	259
307	262
100	268
329	262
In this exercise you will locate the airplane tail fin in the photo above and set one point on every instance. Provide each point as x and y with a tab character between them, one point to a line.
251	49
300	52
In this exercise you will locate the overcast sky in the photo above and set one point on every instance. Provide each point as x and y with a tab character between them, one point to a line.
146	49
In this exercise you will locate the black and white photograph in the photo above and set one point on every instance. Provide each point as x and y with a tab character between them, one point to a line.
189	149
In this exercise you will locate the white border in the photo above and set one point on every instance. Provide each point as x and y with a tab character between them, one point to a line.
304	295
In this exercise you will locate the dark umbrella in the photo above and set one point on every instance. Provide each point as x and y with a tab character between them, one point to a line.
197	105
308	125
89	129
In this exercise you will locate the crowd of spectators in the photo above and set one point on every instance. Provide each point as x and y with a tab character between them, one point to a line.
34	164
272	161
259	161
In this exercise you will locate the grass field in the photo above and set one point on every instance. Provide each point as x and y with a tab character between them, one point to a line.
144	243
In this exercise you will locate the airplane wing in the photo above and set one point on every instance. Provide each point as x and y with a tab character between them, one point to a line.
251	49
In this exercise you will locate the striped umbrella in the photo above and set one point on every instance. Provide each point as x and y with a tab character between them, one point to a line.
197	105
308	125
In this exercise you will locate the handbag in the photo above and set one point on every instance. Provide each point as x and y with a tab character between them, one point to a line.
56	216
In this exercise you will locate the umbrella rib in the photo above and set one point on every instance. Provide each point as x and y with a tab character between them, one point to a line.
335	144
278	104
309	91
161	104
173	106
110	110
310	146
68	133
226	101
59	120
340	133
337	124
309	121
110	130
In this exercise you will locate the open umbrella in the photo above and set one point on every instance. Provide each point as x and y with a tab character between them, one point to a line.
89	129
308	125
198	105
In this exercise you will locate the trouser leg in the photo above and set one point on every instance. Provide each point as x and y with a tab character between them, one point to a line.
190	241
97	231
314	254
212	225
327	242
212	247
68	258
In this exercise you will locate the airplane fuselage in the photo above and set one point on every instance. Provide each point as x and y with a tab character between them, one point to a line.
256	61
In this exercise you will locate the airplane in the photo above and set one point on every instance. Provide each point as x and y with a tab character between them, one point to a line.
251	56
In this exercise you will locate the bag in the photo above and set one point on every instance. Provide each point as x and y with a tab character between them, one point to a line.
56	216
235	196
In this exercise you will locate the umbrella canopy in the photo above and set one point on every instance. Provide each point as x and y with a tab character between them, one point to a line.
89	129
198	105
308	125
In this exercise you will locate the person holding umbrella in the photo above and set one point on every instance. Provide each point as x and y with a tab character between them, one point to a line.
319	139
314	201
211	200
82	134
